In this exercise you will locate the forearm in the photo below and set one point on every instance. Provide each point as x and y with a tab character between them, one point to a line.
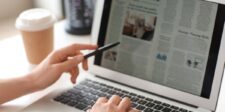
14	88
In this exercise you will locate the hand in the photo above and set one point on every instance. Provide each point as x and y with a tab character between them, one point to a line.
114	104
59	61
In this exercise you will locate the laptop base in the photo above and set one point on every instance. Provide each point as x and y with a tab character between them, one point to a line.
49	103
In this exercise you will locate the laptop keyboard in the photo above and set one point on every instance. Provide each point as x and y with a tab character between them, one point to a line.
85	94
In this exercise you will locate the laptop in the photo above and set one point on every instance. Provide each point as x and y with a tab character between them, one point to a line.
171	57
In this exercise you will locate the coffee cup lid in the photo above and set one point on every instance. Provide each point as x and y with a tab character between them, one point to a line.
35	20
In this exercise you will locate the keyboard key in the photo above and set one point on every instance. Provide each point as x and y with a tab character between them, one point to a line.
134	105
76	97
92	97
150	104
148	110
88	84
108	96
86	90
142	102
157	102
124	92
59	98
134	99
81	106
140	107
112	92
175	111
120	94
65	100
67	94
183	110
104	90
74	91
165	104
140	96
86	101
133	94
128	96
158	107
79	87
94	92
96	87
148	99
72	103
103	85
84	94
157	111
174	107
101	95
110	87
166	109
117	89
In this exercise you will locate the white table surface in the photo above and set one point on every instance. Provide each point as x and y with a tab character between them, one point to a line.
13	63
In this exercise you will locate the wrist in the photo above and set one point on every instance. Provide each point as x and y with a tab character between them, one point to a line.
30	80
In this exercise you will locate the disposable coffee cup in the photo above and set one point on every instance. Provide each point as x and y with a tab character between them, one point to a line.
36	27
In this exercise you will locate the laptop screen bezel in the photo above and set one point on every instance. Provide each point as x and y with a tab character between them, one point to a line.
153	87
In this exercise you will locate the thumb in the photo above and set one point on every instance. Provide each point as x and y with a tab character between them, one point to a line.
71	63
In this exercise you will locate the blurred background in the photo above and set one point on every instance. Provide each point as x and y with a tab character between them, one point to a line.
10	10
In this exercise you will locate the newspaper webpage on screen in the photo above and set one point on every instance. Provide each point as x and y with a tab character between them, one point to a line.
162	41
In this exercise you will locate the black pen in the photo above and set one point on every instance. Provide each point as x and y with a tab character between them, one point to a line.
101	49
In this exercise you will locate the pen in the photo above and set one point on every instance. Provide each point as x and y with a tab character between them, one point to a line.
101	49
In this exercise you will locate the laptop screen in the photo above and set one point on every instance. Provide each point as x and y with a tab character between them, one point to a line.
174	43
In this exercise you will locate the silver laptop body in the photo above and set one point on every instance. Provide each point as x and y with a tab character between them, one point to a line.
171	51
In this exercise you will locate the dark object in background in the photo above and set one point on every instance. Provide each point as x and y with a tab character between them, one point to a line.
79	16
